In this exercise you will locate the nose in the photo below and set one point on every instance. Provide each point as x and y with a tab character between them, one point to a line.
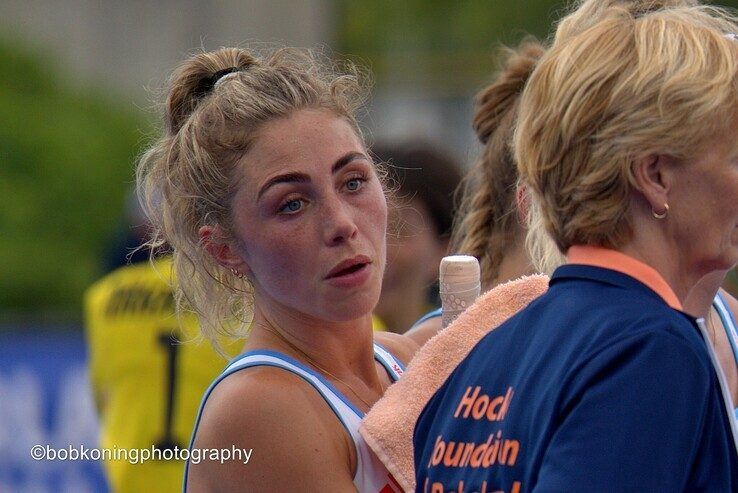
339	225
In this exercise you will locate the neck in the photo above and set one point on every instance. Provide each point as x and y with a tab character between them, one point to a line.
667	265
699	299
652	245
344	349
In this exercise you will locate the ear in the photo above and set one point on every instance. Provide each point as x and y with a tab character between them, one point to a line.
652	175
221	249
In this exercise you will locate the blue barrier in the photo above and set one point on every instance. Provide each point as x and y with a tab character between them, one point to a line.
45	400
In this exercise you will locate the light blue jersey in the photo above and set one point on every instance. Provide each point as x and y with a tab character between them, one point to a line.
726	317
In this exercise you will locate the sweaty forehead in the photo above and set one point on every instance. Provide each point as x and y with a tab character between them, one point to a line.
309	134
308	141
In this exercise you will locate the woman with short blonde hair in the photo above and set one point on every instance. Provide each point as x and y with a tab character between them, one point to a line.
626	138
592	110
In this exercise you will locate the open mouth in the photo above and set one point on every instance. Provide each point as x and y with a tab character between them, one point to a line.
349	270
349	266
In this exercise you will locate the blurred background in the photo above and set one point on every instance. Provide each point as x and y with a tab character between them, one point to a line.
79	92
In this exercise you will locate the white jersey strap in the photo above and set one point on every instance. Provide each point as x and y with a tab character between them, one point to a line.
330	393
727	399
394	367
726	317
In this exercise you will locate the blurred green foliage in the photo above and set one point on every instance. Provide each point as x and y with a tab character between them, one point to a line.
438	45
442	46
67	154
66	160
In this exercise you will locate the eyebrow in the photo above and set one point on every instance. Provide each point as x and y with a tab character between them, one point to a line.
303	178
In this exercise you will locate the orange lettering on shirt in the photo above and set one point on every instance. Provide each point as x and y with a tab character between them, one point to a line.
494	408
509	452
451	459
480	407
467	401
438	450
506	405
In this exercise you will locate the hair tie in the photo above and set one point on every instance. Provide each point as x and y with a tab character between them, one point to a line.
208	83
222	74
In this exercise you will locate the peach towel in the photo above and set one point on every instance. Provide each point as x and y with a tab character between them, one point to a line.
388	426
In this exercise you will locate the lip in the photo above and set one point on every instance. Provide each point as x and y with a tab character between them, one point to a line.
343	275
347	264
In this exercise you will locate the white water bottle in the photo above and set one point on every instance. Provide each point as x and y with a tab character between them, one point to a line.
459	285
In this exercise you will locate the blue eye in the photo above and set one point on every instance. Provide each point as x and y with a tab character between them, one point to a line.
353	184
291	206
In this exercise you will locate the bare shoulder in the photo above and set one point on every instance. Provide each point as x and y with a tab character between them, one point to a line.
293	440
401	346
425	330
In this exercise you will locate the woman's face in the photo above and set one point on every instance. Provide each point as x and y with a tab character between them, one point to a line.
310	218
703	205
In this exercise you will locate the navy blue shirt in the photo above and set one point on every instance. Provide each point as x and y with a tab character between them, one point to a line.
596	386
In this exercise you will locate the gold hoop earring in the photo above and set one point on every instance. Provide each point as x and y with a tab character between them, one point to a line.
236	273
661	215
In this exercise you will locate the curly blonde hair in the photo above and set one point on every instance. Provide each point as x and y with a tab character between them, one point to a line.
215	105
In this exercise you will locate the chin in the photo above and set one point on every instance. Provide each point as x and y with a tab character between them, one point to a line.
351	308
725	262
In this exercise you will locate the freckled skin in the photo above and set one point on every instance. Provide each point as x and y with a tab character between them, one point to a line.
333	222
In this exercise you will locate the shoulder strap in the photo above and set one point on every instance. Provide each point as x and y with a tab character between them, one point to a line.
726	317
394	367
724	391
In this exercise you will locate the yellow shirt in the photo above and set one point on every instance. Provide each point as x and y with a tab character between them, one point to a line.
378	325
147	386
